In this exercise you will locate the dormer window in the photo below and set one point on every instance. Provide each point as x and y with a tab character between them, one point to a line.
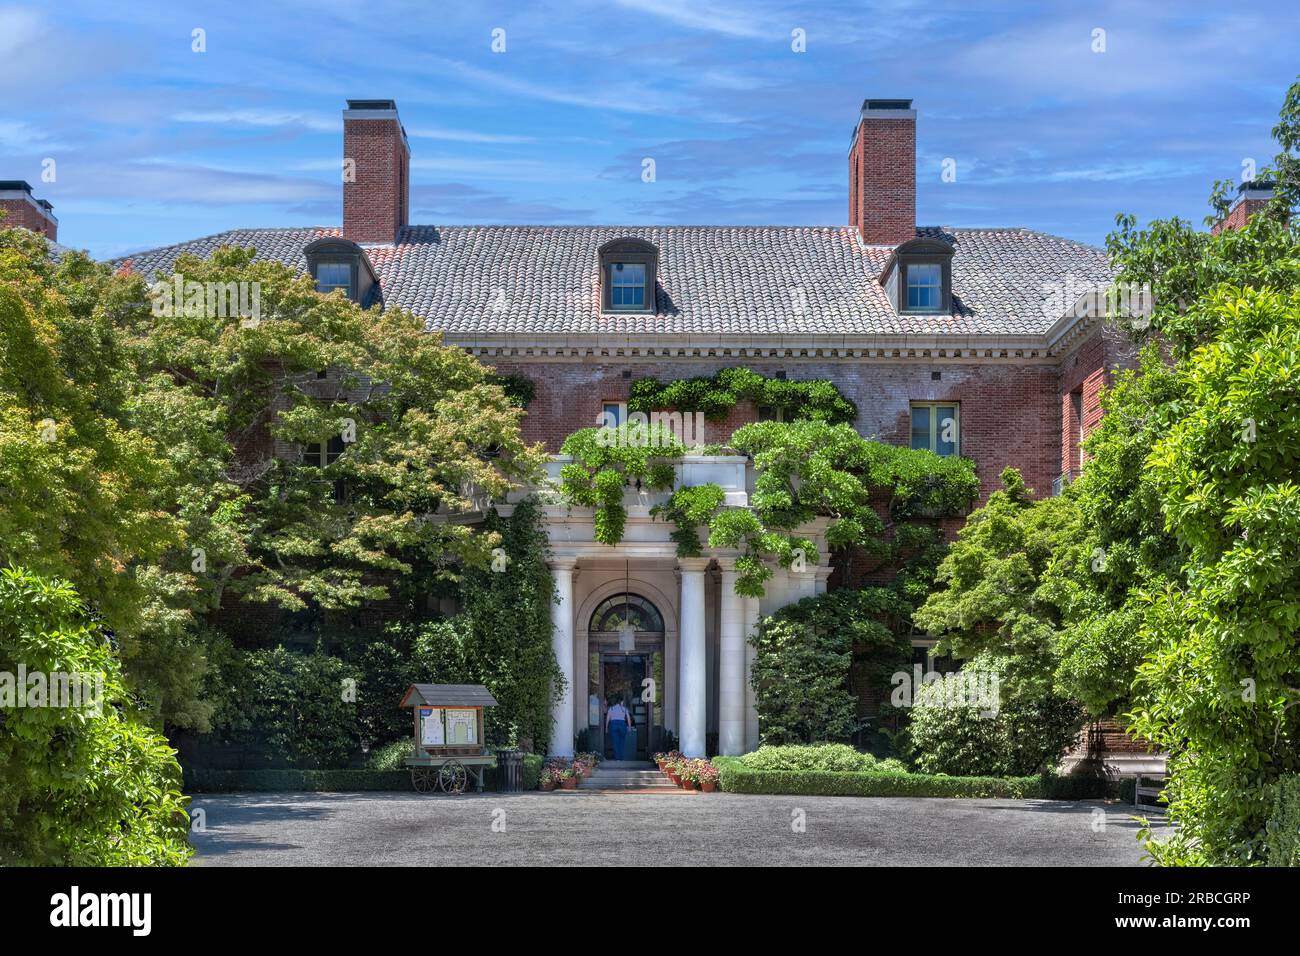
628	275
918	277
924	282
334	275
341	264
627	286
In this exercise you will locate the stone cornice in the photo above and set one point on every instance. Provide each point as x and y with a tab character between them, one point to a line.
1019	349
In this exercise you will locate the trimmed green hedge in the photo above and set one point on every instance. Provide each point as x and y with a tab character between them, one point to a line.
329	781
736	778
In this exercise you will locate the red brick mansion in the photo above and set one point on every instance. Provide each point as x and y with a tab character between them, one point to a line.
964	341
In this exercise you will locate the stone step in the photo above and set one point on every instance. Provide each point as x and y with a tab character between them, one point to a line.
626	775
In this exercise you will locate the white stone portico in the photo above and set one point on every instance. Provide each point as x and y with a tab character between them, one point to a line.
699	658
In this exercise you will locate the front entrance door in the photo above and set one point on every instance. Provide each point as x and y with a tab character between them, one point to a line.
622	679
625	646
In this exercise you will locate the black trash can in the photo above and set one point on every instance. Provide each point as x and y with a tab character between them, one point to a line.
510	771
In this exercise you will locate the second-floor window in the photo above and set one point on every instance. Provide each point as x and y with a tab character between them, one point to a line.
937	426
334	275
924	286
627	285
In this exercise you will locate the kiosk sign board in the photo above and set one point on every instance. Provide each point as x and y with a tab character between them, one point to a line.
432	733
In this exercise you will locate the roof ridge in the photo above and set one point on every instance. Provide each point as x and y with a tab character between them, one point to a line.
578	225
213	235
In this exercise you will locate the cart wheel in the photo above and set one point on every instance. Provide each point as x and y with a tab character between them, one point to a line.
423	779
452	777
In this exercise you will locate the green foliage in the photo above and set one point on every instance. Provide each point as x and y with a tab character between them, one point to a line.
716	395
608	459
737	778
1219	685
506	622
519	389
82	786
838	757
87	495
296	703
130	435
803	660
1282	839
989	596
957	727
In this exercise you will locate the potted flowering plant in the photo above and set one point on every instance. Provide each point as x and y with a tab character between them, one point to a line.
673	768
709	776
688	774
568	779
546	781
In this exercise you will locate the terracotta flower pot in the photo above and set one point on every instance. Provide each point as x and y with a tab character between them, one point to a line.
569	784
708	786
546	787
677	781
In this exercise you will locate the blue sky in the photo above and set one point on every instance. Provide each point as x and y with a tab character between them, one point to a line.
155	143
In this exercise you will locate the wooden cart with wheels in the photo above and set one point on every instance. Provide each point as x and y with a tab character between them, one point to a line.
449	744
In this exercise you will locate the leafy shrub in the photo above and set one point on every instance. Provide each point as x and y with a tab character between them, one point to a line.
837	757
81	786
803	657
294	702
390	756
1282	842
1028	733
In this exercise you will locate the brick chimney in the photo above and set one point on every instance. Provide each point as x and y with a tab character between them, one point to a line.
882	173
376	183
1251	198
23	209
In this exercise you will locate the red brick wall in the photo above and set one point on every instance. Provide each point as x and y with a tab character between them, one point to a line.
1087	370
882	181
20	212
377	203
1008	412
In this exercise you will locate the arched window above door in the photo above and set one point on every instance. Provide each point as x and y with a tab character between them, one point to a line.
612	612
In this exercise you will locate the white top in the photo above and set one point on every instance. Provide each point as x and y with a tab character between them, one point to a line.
618	712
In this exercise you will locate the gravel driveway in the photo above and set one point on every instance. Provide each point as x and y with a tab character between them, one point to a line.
345	829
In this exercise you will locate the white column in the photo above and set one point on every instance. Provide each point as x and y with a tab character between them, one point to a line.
562	646
731	665
752	616
692	660
823	574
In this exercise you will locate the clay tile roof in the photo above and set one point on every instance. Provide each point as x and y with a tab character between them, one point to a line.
471	281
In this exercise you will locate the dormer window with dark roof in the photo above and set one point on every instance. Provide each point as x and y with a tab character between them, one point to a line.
924	282
334	275
341	264
628	275
918	277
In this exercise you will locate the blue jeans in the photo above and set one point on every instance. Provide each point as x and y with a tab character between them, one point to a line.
618	734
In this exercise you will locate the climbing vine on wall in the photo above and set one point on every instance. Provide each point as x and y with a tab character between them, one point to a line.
806	469
519	389
605	460
717	394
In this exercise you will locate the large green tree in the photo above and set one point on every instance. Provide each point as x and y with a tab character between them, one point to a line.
86	782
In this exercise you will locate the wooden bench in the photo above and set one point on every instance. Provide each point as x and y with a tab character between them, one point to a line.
1141	787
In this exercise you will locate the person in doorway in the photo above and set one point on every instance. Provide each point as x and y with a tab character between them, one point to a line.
617	721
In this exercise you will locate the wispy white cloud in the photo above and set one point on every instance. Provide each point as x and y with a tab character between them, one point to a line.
259	118
710	17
